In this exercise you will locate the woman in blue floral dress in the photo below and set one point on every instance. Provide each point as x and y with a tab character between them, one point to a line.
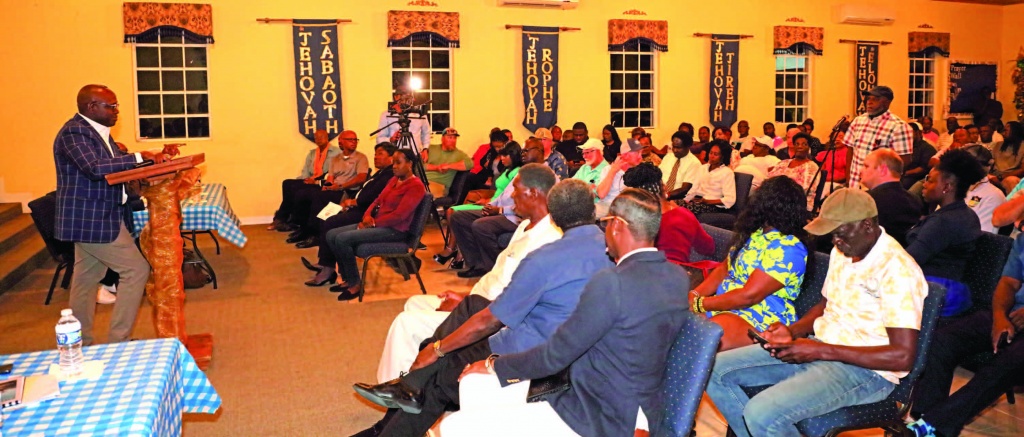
761	277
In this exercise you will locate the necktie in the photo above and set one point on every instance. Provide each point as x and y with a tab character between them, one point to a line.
672	177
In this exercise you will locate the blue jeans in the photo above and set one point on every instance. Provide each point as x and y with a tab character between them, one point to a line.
797	392
344	240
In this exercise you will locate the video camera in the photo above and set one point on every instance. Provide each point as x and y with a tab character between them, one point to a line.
408	108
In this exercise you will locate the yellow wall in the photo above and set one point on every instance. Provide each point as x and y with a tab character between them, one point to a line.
50	51
1012	46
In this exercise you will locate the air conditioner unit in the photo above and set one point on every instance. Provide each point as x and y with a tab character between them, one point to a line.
558	4
864	15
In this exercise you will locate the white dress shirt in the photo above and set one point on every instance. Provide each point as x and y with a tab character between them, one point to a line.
523	242
719	184
689	168
104	132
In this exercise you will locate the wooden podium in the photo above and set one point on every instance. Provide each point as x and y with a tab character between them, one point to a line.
164	186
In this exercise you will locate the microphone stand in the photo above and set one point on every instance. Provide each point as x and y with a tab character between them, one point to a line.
830	152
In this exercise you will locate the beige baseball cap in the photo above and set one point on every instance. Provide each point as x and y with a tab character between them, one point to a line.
592	143
846	205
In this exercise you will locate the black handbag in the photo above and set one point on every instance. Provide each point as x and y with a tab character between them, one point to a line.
548	385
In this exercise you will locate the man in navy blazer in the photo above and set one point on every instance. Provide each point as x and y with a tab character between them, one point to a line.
94	214
617	342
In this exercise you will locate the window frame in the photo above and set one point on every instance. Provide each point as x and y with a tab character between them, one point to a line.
184	44
808	74
431	47
912	103
637	49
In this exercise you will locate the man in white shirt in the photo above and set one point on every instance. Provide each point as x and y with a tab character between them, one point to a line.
946	138
743	141
424	313
679	169
419	126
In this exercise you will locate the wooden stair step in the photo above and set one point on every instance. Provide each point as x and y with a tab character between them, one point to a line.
13	232
9	211
21	260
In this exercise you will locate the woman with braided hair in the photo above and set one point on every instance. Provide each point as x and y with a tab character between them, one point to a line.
679	230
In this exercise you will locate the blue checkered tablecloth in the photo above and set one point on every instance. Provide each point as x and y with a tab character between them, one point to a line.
208	211
145	387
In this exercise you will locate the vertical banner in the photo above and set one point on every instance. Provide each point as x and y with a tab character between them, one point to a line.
317	78
540	77
725	59
867	72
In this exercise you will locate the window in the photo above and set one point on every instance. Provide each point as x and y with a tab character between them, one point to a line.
921	98
633	79
171	87
792	87
430	61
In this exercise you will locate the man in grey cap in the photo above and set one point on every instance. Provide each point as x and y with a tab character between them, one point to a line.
877	128
850	349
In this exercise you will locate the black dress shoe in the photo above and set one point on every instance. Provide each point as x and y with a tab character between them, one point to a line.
443	259
295	233
347	294
472	273
339	287
458	264
309	265
295	237
285	227
307	243
392	394
324	277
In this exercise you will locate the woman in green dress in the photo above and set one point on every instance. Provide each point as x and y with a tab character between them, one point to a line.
511	157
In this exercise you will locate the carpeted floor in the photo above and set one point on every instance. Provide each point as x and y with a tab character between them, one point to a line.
286	355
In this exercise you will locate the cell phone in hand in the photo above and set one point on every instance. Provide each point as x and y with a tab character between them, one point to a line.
757	337
1003	341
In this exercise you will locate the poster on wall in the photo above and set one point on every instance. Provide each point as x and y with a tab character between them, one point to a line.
540	77
970	85
867	72
725	82
317	80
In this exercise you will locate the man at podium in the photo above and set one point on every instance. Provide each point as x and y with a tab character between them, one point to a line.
93	215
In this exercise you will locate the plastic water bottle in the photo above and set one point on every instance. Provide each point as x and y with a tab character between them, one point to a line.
69	343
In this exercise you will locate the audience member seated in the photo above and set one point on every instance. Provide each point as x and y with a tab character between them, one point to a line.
725	134
554	160
759	280
984	196
703	138
680	169
928	132
814	143
353	208
388	219
680	231
986	134
946	138
594	163
423	313
486	165
626	318
784	150
994	329
499	206
346	172
768	128
715	190
920	159
543	293
898	209
942	241
648	153
610	181
316	166
612	143
744	141
973	134
835	163
441	162
1009	155
477	232
865	332
759	161
570	148
800	168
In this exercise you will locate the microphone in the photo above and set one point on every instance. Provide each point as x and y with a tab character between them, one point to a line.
840	123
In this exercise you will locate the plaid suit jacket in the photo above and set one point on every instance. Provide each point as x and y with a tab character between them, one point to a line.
88	209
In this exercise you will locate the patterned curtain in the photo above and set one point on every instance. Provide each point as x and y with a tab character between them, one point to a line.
192	20
789	40
928	44
624	34
440	27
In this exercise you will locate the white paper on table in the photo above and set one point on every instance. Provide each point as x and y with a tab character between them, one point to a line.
90	369
329	211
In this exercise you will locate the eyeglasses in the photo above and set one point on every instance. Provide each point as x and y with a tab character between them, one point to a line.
107	105
604	222
528	149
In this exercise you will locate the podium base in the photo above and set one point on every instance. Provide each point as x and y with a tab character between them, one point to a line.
201	348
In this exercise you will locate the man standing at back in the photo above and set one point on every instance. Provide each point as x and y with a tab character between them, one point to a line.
878	128
93	214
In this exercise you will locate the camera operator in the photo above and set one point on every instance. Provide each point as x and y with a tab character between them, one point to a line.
419	126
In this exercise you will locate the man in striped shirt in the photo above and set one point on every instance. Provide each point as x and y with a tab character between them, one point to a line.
878	128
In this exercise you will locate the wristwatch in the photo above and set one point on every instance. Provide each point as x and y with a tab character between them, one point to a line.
437	349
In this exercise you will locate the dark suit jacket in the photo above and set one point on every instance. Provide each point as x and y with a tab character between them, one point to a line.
617	341
88	209
898	210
